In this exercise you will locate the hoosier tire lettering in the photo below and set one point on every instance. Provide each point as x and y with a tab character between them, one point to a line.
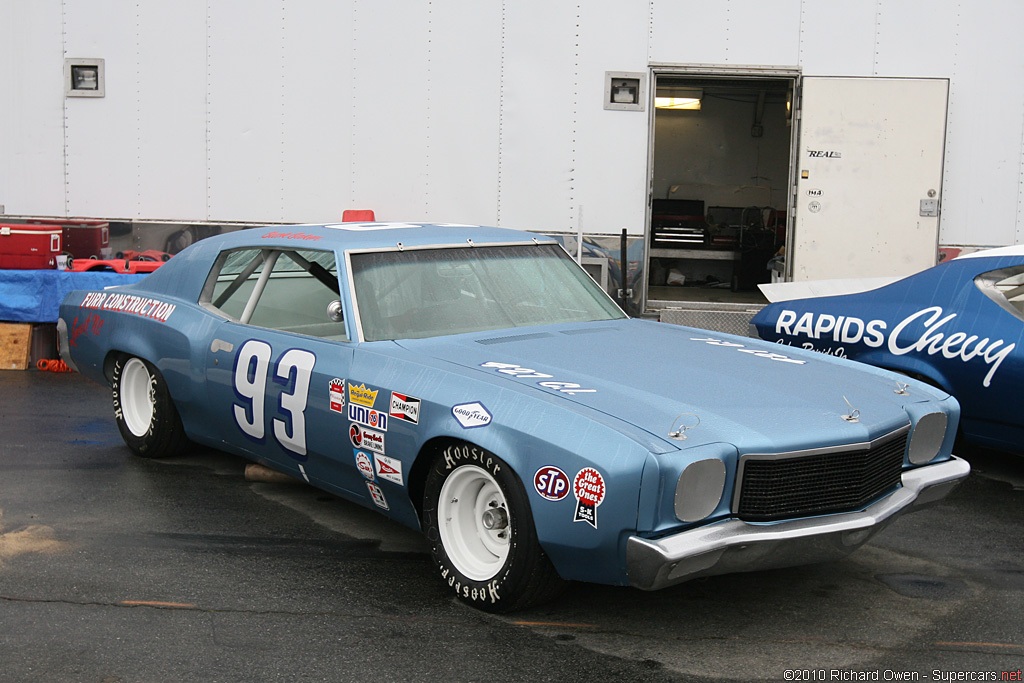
454	455
145	414
477	519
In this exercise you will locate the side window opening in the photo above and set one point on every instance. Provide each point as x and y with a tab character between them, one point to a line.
1005	287
283	289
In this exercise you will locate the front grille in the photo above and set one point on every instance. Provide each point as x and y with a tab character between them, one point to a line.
775	487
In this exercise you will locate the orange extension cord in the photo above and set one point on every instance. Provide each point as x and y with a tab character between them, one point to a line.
56	365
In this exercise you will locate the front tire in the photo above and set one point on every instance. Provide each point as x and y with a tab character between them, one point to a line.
145	414
477	519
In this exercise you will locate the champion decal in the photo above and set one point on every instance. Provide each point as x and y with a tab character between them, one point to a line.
404	407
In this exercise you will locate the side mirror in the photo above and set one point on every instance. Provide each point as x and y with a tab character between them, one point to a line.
334	311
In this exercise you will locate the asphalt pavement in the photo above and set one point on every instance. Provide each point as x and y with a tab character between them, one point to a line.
116	568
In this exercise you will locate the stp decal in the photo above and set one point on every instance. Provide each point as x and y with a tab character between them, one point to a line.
551	483
378	496
337	393
363	464
389	468
366	438
589	489
405	408
366	417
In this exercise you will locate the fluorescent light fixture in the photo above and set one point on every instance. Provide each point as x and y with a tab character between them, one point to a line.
678	98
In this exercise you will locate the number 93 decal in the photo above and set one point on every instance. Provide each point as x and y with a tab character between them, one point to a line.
292	370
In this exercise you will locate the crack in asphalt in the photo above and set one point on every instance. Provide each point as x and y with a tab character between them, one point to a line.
184	607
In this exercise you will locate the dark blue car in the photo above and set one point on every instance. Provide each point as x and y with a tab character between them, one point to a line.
958	326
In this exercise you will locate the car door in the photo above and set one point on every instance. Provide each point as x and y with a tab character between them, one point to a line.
991	333
277	366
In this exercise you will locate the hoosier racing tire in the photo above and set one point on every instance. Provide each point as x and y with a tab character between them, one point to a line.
146	417
477	519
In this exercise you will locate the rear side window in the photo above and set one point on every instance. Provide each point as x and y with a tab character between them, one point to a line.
293	290
1005	287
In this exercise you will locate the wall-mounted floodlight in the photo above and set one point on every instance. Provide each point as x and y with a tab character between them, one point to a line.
84	78
625	90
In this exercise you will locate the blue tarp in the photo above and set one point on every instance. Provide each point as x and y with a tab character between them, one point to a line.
34	296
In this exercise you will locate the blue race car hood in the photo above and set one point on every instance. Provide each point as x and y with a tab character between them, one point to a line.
652	375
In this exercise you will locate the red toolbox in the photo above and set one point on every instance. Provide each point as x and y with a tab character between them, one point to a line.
82	238
29	247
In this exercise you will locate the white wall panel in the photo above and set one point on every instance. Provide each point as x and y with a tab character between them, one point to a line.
914	41
245	100
389	96
982	182
837	38
102	133
689	32
763	32
610	169
31	108
319	105
539	101
171	110
463	105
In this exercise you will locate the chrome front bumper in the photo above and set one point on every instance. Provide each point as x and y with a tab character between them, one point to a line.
736	546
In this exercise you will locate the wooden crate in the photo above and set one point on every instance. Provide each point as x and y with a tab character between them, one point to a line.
15	346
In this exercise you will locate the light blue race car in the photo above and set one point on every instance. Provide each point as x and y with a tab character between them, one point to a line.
476	384
958	326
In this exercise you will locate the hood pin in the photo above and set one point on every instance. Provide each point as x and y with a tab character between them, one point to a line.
854	415
678	434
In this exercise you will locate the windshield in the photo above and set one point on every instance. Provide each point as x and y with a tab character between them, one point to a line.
415	294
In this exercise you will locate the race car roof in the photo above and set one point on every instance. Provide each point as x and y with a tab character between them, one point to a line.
184	275
359	236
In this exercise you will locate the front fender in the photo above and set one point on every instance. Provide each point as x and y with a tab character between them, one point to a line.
531	431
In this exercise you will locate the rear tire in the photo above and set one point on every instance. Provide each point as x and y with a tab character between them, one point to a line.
477	519
146	416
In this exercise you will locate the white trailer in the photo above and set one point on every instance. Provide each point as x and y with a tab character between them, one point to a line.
870	134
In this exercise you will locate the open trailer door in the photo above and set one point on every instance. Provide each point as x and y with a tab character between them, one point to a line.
869	176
